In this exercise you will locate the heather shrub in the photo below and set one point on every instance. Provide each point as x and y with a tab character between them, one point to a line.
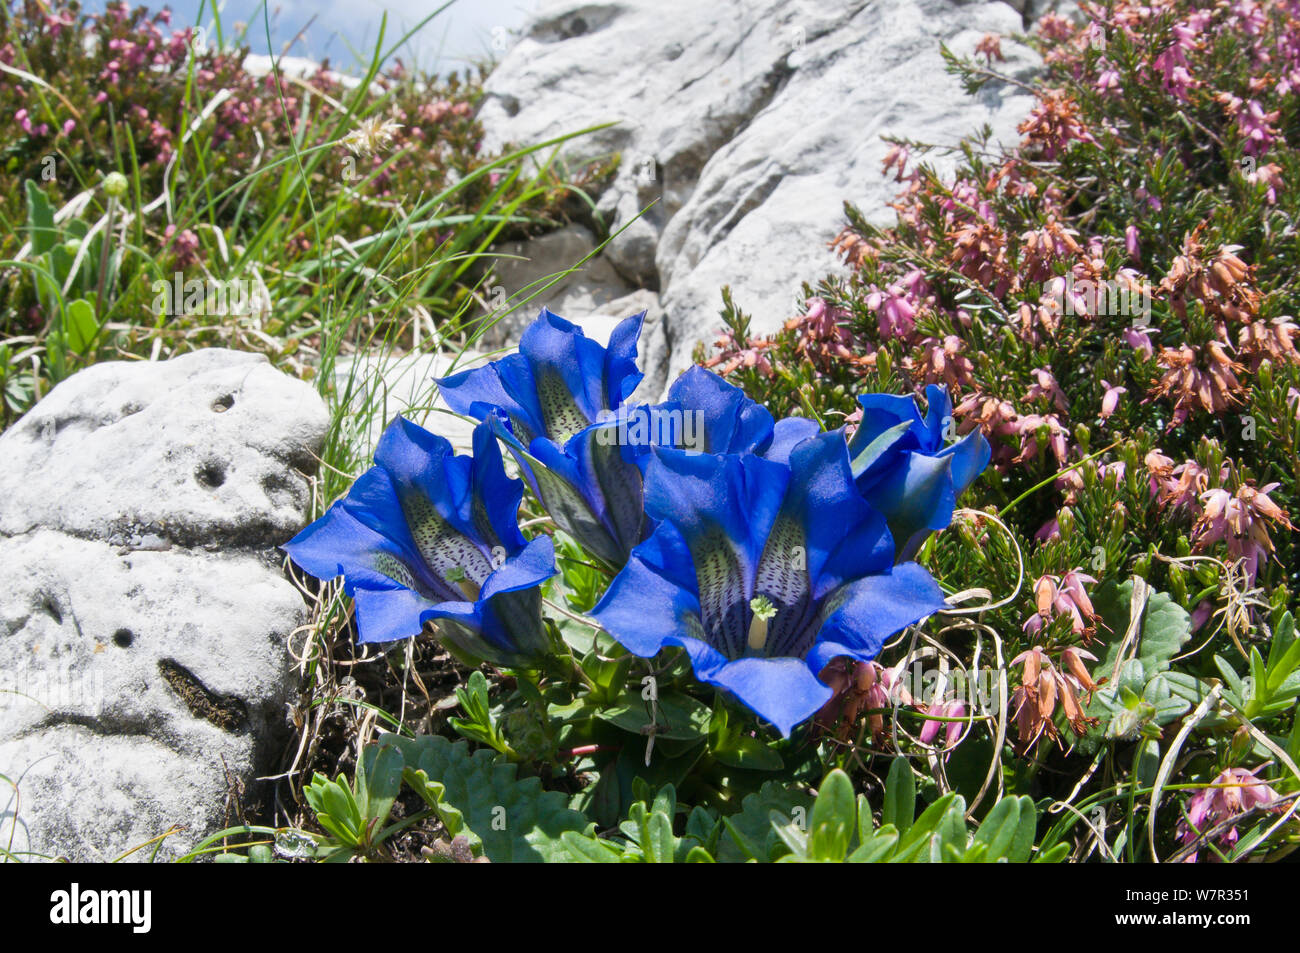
317	201
1111	302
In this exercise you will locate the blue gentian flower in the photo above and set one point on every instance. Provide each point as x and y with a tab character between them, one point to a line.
904	469
764	572
703	412
549	402
426	534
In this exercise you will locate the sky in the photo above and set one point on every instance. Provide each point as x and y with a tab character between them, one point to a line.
343	29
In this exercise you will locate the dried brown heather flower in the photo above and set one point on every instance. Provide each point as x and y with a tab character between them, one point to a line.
980	253
1214	388
1042	686
853	248
1225	286
1269	340
1053	125
990	47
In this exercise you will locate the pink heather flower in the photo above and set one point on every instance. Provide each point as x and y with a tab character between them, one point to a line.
1248	17
1045	386
1184	488
1256	128
1069	483
1160	469
68	126
1049	531
1131	242
1241	521
1270	176
1108	80
23	120
1235	792
1029	426
952	708
863	686
1062	597
1053	26
184	245
1110	400
1172	64
895	313
990	47
1142	195
897	157
1137	339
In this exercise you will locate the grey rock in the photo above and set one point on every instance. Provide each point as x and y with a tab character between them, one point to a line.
211	445
742	127
145	621
526	267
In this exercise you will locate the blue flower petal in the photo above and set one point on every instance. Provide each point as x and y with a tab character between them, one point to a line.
881	412
494	507
864	614
781	690
970	455
421	530
787	434
732	423
621	375
591	489
937	416
530	567
724	507
338	544
824	534
387	615
653	601
505	386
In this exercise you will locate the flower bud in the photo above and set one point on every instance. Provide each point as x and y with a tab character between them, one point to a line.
1065	520
115	185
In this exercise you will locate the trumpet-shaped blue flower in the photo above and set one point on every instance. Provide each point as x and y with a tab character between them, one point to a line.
549	402
764	572
904	468
703	412
426	534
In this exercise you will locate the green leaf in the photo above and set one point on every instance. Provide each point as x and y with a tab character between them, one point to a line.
41	229
750	830
877	847
1008	830
588	849
658	843
753	754
80	325
927	827
900	797
1163	631
834	817
791	834
379	781
481	795
678	717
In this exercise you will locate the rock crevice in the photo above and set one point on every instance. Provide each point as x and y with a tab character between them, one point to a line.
742	128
